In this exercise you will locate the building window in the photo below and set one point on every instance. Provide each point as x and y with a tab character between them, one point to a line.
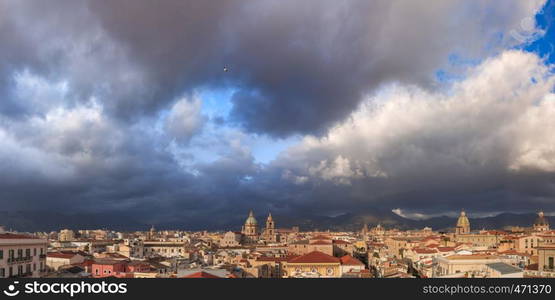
34	251
329	271
1	254
27	252
28	268
2	272
34	267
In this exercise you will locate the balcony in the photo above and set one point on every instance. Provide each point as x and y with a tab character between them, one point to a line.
19	260
26	274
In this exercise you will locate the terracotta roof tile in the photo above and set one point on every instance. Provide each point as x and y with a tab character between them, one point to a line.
16	236
320	242
60	255
340	242
314	257
424	251
201	274
348	260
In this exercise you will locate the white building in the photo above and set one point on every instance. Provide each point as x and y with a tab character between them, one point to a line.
55	260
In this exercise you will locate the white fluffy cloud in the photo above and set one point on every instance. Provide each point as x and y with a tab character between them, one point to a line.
185	119
502	117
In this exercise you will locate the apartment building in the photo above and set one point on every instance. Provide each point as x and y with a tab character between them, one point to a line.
22	255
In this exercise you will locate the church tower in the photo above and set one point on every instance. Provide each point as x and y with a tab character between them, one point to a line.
270	230
270	225
463	225
364	230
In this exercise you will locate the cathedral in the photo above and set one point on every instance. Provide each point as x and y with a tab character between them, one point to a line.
251	233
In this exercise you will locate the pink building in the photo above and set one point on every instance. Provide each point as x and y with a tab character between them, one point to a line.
108	268
118	268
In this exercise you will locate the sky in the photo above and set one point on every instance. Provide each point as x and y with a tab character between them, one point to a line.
202	110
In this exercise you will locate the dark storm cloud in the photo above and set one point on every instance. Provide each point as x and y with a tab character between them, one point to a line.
98	107
310	61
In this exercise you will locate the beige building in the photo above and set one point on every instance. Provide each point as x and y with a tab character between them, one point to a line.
313	265
528	244
341	248
132	248
97	234
22	255
546	258
231	239
66	235
477	239
397	246
164	249
317	243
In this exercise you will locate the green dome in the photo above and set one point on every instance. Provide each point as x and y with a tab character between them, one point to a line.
251	220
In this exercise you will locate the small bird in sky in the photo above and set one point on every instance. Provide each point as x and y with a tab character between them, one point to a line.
226	69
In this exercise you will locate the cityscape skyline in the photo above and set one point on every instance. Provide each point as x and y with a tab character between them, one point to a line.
264	249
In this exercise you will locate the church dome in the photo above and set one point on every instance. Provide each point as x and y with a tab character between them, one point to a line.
541	220
463	220
251	220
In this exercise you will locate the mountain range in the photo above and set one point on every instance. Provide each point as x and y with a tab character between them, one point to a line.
31	221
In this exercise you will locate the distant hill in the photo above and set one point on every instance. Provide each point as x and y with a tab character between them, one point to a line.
54	221
31	221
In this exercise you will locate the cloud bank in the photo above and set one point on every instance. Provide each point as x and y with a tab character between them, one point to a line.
426	108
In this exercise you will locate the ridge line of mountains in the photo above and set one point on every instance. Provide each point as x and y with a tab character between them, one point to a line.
46	221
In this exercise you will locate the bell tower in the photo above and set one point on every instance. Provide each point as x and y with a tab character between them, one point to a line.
270	230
